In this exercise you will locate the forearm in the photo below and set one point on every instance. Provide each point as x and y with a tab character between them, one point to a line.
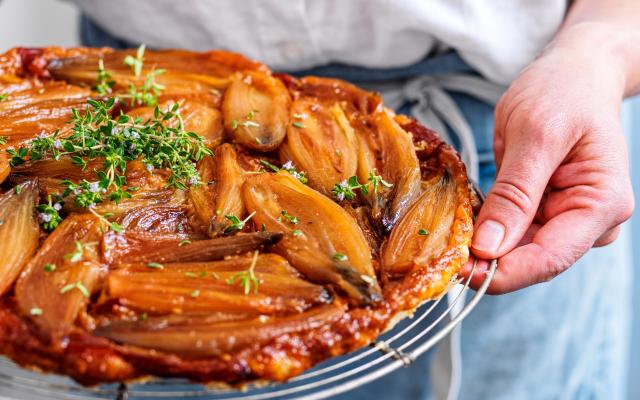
610	30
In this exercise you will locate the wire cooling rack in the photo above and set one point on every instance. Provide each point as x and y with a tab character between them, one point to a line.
399	347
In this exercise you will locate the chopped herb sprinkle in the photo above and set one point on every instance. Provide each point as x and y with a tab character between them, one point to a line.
155	265
298	124
235	223
289	218
339	257
49	267
247	279
423	232
78	285
77	254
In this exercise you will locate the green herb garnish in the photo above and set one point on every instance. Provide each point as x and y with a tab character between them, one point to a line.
345	190
48	267
289	218
78	285
247	279
236	223
136	63
155	265
423	232
339	257
377	181
48	214
288	166
298	124
76	255
269	165
96	135
104	83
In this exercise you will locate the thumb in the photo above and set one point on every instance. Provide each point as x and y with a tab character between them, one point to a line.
513	200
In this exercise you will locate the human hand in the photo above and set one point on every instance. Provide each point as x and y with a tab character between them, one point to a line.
563	184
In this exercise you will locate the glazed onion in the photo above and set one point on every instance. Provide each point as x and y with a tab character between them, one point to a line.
325	244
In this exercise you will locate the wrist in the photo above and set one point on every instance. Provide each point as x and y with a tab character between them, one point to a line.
612	50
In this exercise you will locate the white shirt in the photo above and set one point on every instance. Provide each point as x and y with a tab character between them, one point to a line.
497	37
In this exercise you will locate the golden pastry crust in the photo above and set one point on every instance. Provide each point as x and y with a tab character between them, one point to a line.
343	325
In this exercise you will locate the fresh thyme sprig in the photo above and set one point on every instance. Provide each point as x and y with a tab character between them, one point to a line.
345	190
289	218
377	181
136	62
247	279
113	226
96	135
104	83
48	214
148	93
288	166
236	224
77	254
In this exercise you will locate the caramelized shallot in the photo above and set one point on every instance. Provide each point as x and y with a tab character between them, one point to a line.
197	337
19	231
217	286
59	279
321	142
388	150
424	232
321	239
256	110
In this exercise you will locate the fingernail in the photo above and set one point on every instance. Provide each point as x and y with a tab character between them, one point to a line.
488	236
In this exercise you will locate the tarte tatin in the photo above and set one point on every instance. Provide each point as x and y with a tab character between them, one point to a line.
184	214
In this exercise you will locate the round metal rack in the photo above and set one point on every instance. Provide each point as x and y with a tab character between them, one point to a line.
398	347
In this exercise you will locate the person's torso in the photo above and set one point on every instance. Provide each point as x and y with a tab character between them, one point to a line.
497	37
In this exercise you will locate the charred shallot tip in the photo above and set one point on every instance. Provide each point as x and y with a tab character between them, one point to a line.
132	248
325	230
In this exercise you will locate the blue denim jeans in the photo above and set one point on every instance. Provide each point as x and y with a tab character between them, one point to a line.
565	339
